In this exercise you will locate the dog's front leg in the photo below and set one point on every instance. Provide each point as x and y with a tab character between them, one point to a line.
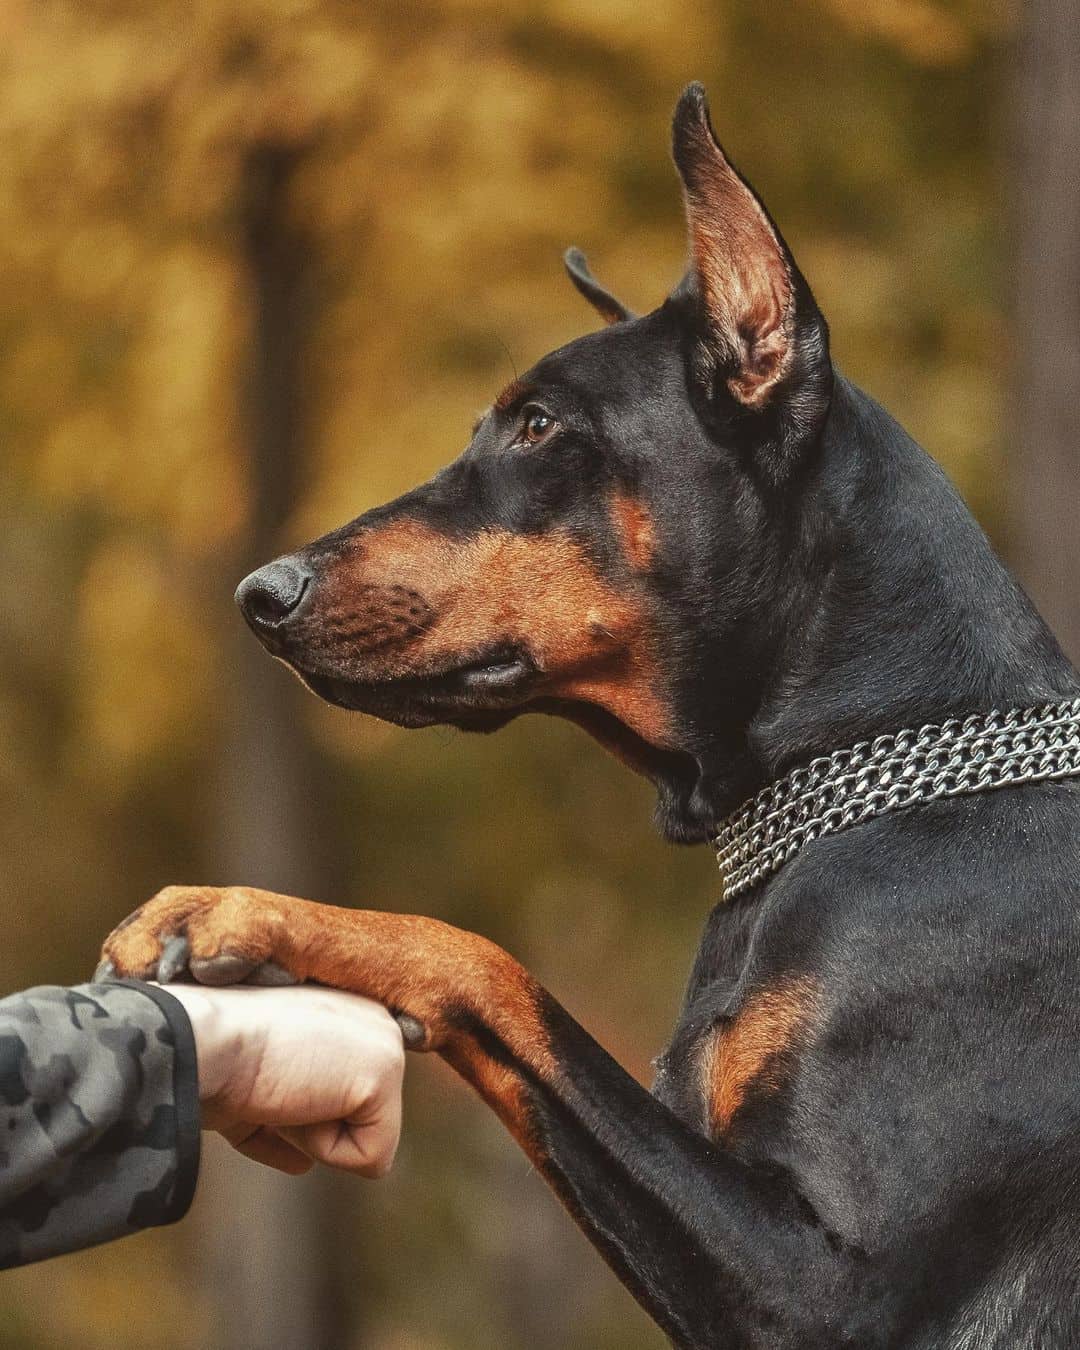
719	1256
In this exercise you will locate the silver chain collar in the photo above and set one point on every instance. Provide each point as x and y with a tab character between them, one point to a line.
1026	745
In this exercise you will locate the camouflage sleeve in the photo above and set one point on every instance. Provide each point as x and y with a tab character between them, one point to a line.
99	1116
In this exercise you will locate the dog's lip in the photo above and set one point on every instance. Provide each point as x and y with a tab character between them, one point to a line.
494	673
493	680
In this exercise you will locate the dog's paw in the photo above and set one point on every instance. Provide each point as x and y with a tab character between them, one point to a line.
214	935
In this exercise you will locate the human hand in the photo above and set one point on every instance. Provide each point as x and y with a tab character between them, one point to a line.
298	1075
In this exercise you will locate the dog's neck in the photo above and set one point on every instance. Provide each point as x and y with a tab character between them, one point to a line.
890	610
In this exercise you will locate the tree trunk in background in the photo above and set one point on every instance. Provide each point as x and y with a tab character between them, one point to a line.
268	1247
1046	436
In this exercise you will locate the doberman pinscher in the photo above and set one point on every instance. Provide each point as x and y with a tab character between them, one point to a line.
689	534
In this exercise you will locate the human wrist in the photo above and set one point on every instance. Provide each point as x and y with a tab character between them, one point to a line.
218	1044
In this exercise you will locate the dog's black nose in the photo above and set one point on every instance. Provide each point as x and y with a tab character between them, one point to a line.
269	596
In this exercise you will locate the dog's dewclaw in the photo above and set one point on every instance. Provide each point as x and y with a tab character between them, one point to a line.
412	1031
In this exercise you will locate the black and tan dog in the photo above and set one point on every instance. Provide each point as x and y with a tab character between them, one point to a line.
690	535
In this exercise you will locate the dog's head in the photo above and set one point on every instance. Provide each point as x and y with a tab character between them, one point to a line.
607	545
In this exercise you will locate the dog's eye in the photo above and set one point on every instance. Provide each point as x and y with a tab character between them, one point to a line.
537	426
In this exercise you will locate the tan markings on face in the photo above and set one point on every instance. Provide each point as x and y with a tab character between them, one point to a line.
507	396
408	600
634	530
744	1052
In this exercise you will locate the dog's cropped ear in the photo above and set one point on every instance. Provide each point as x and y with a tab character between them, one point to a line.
609	309
763	333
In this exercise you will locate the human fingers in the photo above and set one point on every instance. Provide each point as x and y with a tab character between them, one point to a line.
365	1146
267	1146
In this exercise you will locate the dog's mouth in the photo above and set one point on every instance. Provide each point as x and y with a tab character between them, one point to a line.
483	694
478	694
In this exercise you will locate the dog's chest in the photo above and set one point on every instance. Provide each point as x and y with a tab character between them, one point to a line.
735	1047
741	1026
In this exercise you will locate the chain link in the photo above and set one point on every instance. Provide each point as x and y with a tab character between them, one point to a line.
981	752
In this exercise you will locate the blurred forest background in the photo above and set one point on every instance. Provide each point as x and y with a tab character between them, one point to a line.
262	261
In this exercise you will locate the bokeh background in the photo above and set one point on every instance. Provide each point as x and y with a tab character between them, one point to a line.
261	262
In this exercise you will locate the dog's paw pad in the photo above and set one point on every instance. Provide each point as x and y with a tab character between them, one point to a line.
225	968
271	976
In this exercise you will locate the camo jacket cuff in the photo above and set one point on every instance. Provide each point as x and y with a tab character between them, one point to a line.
99	1116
